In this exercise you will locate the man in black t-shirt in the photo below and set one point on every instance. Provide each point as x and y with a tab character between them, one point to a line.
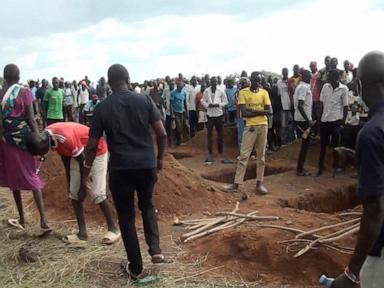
367	261
126	117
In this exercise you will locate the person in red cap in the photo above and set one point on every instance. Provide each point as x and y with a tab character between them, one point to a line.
89	107
315	88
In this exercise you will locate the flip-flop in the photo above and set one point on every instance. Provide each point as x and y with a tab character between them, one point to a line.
15	223
160	259
145	277
45	232
73	239
111	238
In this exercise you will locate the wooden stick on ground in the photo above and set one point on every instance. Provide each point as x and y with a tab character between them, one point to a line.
247	216
209	224
326	228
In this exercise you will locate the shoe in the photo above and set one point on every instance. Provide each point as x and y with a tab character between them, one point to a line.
303	173
231	188
260	189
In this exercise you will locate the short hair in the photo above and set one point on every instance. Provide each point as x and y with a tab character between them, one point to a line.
11	73
334	74
117	73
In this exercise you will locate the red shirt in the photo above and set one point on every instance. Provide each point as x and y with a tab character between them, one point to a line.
70	139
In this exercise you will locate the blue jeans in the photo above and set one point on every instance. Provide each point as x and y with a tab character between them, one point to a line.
286	127
240	130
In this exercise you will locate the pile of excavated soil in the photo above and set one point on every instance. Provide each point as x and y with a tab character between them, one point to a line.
255	255
177	192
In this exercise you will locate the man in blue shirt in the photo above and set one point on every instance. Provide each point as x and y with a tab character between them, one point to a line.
368	258
178	107
231	91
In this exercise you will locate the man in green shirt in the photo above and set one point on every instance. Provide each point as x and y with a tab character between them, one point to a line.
53	100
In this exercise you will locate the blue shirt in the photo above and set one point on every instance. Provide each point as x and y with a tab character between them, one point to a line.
370	163
177	100
231	93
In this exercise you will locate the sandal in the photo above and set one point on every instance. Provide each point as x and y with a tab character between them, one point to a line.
16	223
73	239
161	259
303	174
111	238
145	277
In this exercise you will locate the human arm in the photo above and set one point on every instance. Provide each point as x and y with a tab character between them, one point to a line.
249	113
161	140
345	104
29	112
224	100
302	111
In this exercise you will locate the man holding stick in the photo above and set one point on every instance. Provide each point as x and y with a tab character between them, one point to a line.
367	262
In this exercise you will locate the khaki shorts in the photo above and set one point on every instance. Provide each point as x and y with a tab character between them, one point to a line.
98	175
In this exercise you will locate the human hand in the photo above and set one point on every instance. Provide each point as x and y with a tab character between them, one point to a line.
312	123
343	281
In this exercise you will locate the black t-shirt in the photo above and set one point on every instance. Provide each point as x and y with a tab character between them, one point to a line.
370	163
125	117
275	100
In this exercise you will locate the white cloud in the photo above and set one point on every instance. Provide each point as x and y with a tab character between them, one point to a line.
211	43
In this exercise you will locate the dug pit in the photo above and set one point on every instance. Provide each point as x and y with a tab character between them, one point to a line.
227	175
328	201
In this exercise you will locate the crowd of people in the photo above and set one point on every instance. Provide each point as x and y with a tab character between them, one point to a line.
83	123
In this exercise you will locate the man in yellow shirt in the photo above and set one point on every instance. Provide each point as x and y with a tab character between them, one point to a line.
255	106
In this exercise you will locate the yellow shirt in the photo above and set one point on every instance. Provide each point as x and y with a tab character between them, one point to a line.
255	101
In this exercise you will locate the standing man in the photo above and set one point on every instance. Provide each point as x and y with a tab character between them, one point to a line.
84	97
255	106
334	102
315	89
367	262
53	103
192	90
347	76
303	118
214	100
324	71
178	103
126	117
166	96
293	81
231	91
102	89
68	102
286	112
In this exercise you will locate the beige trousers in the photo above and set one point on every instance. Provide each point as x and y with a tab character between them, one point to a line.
372	272
253	136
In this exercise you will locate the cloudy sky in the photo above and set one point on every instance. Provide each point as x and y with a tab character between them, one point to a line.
73	38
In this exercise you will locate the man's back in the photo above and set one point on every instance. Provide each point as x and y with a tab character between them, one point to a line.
125	117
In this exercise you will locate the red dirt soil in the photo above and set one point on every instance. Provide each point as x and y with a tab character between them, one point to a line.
178	192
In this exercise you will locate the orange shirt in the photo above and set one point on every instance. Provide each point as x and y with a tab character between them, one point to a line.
70	139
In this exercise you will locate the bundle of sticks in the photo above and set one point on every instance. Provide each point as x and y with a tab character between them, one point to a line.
312	239
222	220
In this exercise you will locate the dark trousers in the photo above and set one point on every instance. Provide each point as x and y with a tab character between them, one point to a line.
179	121
68	113
316	115
53	121
349	136
123	185
329	136
168	128
300	128
231	117
216	122
81	114
193	121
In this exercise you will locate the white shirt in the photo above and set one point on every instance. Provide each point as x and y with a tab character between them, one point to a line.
218	98
191	96
282	87
303	92
334	102
83	96
347	77
137	89
167	99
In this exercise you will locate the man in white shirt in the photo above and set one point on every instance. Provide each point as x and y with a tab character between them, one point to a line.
303	102
286	118
347	75
83	97
214	100
334	99
192	90
166	96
